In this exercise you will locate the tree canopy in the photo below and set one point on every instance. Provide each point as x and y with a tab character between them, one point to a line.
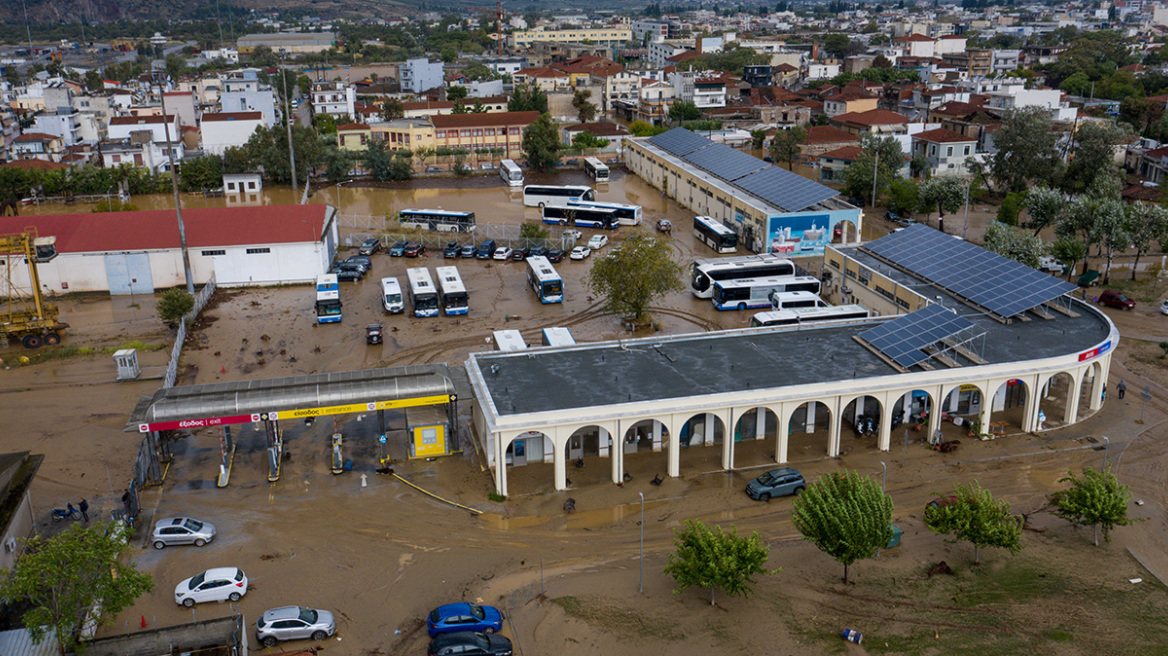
973	515
541	144
527	98
785	145
585	108
1096	500
1027	150
879	156
716	559
629	278
846	515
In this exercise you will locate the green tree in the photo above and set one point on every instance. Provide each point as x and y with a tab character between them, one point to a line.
176	65
1014	244
478	108
974	516
112	205
175	303
402	168
1027	150
757	138
904	196
846	515
1068	251
1094	154
392	109
785	145
268	147
62	578
1146	224
643	129
644	268
945	192
684	111
459	107
585	140
880	157
1011	206
836	44
93	79
456	93
448	54
201	174
530	231
1044	206
541	144
1096	500
325	123
716	559
304	83
582	103
527	98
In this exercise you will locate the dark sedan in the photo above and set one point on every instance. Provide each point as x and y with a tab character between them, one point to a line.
540	251
469	643
521	253
452	250
555	255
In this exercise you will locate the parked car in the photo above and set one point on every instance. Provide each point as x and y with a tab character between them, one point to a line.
538	250
1050	265
486	250
1164	307
905	221
891	216
355	270
294	623
664	225
502	253
363	260
580	252
217	584
469	643
468	251
521	253
398	248
598	242
450	618
555	255
452	250
939	502
433	169
369	246
574	234
487	166
182	530
415	249
1112	298
776	483
347	275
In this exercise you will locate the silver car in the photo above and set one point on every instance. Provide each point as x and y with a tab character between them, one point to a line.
182	530
294	623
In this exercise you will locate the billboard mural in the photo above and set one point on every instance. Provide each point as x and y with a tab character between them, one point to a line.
806	233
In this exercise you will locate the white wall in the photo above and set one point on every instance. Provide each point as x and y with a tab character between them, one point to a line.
219	135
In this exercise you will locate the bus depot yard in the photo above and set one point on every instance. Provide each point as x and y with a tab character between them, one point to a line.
380	553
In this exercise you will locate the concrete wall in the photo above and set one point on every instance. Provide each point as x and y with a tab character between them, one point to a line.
229	632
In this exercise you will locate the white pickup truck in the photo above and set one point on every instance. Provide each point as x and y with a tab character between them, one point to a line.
1050	265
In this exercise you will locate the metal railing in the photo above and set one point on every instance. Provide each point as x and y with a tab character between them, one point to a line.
201	299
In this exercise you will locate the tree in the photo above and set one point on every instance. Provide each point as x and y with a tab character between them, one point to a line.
174	304
846	515
1094	154
757	138
402	168
643	129
456	93
1068	251
448	54
1096	500
527	98
684	111
541	144
530	231
836	44
630	278
1027	150
945	192
62	578
392	109
1044	206
112	205
1145	224
1011	206
585	140
785	145
904	196
716	559
378	160
176	65
880	157
585	109
973	515
201	174
459	107
1014	244
268	147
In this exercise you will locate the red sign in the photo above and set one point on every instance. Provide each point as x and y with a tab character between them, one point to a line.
197	423
1098	350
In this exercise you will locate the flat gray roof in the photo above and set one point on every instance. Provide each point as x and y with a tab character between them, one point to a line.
608	373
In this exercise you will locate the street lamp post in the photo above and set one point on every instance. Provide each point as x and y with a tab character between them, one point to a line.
965	224
641	585
1106	448
182	230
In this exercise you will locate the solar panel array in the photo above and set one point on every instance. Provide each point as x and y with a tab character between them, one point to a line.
998	284
785	190
903	338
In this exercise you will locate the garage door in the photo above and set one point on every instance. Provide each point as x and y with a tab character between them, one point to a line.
129	274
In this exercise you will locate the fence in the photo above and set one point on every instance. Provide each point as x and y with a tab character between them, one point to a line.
201	299
389	231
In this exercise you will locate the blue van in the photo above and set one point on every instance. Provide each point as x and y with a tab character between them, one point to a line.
485	250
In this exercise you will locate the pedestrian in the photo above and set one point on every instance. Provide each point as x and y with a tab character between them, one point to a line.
84	507
1121	388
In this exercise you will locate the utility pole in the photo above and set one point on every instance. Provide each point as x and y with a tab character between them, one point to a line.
965	224
288	121
182	230
875	175
26	26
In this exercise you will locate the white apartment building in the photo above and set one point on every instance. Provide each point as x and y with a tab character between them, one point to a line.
418	75
228	129
334	99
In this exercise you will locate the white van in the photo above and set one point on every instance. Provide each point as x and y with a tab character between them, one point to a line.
391	296
795	300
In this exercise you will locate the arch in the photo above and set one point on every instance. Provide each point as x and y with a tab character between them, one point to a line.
584	449
529	456
706	429
911	410
847	233
755	432
962	410
864	414
1009	407
646	444
808	424
1058	401
1094	385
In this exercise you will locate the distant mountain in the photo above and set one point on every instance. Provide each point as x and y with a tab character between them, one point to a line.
104	11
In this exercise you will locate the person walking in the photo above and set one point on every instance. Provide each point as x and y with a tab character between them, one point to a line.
84	507
1121	388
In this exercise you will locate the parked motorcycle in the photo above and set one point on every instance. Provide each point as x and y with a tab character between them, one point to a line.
69	512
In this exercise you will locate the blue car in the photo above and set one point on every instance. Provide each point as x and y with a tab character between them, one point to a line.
464	617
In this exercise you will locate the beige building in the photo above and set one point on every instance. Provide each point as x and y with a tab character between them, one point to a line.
402	133
290	43
603	35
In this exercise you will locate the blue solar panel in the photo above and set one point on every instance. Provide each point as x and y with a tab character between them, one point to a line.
904	338
725	162
998	284
788	191
679	141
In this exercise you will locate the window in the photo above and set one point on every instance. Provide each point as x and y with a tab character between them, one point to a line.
251	185
949	151
490	132
258	251
932	151
967	150
478	133
441	134
464	133
514	130
213	253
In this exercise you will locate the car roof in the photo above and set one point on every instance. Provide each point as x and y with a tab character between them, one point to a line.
452	609
221	572
784	471
176	521
457	638
281	613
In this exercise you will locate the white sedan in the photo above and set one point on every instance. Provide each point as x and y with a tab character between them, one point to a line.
502	253
580	252
574	234
216	584
598	242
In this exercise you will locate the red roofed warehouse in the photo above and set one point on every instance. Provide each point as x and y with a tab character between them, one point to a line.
139	252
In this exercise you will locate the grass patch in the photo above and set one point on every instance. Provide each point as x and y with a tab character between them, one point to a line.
497	498
1144	290
1057	635
610	617
42	355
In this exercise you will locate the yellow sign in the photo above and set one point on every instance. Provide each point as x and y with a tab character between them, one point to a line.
361	407
430	441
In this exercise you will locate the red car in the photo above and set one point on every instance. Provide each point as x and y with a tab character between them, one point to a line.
414	249
1112	298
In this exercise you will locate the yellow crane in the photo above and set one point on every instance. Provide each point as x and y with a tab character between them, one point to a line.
25	315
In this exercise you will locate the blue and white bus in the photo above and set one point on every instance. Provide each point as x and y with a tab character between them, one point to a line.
511	173
584	217
544	280
439	220
540	195
423	296
753	293
715	235
763	265
328	299
629	215
451	291
809	316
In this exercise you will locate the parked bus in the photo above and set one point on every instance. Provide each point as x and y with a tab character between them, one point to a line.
596	169
509	340
706	272
540	195
439	220
752	293
796	300
558	337
545	282
809	316
584	217
328	299
423	296
629	215
715	235
391	296
511	173
451	291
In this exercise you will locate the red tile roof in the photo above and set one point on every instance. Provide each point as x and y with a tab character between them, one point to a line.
848	94
156	229
142	120
233	116
913	37
786	68
848	153
682	56
35	165
872	117
817	134
349	127
956	108
36	136
941	135
444	121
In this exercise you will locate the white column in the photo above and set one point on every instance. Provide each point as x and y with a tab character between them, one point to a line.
603	443
656	435
760	415
784	435
987	407
560	460
884	441
674	449
1071	412
1096	400
809	417
934	412
708	429
728	443
618	456
1030	408
501	463
833	440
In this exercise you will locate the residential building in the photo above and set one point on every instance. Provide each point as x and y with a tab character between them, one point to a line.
421	74
405	133
966	119
917	45
228	129
501	132
261	100
142	152
229	55
821	71
614	132
849	99
288	43
546	79
1005	60
945	150
64	123
834	163
244	79
504	65
614	85
873	121
17	471
181	104
974	62
782	116
652	103
424	108
243	183
37	145
645	31
334	99
948	44
707	92
824	138
1152	165
659	52
477	88
353	136
122	127
759	76
609	36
